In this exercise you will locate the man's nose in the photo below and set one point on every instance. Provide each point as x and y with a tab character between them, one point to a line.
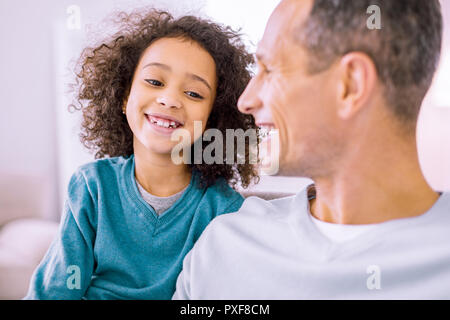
249	102
169	100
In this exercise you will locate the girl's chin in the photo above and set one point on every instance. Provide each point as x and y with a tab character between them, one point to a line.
155	146
161	151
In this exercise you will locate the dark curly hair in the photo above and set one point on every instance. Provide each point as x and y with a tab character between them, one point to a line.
104	75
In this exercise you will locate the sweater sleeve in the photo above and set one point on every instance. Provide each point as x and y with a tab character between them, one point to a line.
66	269
235	205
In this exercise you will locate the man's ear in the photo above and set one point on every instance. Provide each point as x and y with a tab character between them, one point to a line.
358	76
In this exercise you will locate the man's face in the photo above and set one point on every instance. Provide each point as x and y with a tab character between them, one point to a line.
284	96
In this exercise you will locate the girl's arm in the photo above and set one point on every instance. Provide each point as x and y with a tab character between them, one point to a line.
66	270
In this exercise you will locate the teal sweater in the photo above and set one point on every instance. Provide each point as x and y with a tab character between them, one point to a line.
112	244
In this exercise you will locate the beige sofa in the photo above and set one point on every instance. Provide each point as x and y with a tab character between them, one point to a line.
25	233
23	243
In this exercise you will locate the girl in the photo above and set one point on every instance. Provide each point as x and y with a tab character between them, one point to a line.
131	217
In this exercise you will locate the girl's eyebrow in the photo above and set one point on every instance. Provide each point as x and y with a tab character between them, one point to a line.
157	64
198	78
190	75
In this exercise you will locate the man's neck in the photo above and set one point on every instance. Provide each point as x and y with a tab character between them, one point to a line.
373	186
157	173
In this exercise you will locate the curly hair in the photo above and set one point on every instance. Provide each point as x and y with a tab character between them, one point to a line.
104	75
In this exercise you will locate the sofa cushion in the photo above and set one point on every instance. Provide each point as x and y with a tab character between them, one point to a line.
266	195
23	244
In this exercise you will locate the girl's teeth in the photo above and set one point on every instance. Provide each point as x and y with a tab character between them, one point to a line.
164	124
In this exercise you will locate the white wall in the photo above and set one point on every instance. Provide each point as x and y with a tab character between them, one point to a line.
27	122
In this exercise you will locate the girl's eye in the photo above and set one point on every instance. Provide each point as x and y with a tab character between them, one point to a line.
194	95
155	83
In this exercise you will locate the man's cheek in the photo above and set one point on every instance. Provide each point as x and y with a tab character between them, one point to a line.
277	88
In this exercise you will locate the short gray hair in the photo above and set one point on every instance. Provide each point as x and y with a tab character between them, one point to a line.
405	51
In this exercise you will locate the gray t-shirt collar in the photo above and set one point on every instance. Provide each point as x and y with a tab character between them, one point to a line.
159	204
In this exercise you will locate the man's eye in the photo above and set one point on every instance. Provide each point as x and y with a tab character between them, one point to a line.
263	70
155	83
194	95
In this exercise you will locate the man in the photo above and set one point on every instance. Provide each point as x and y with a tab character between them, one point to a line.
345	99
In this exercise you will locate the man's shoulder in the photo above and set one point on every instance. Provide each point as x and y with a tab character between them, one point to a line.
262	226
258	214
222	197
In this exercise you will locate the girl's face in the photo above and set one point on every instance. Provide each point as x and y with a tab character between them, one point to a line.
174	85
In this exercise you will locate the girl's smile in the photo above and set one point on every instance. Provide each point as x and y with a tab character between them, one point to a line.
163	124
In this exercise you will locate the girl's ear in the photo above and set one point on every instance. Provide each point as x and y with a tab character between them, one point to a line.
125	101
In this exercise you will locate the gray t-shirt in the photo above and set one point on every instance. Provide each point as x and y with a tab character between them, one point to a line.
159	204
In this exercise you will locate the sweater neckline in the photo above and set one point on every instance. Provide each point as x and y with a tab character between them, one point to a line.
187	198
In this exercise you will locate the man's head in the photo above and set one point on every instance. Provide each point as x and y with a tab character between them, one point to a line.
326	79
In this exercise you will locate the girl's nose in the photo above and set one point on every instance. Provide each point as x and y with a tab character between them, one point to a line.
169	102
